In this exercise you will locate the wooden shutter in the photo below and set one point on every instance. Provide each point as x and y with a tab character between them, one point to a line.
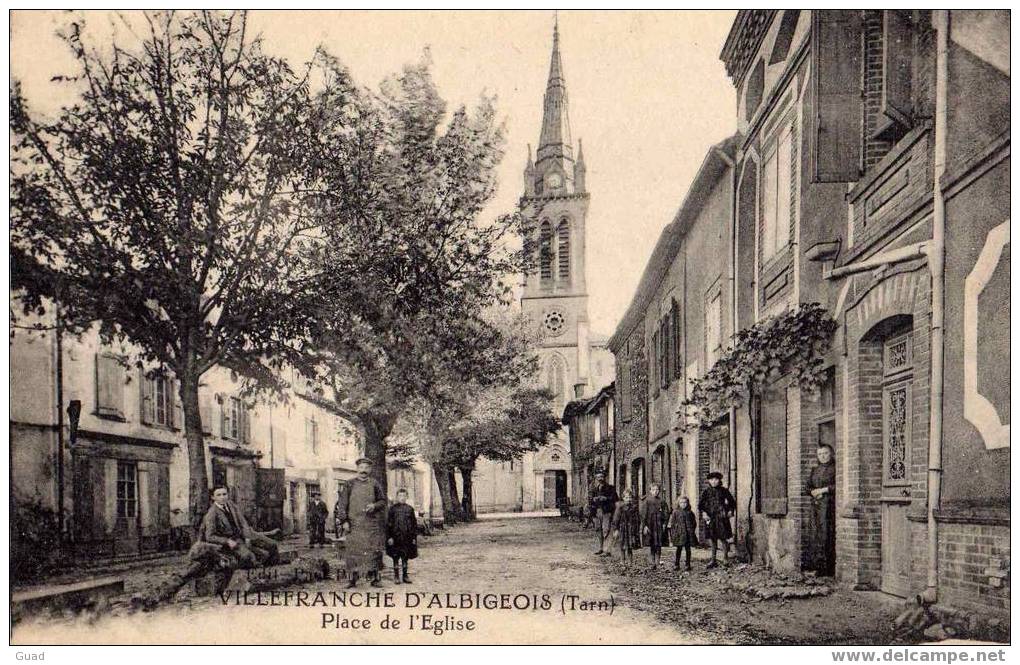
205	411
109	496
109	386
896	63
674	317
84	502
145	490
246	415
178	411
836	70
162	502
773	452
147	405
224	405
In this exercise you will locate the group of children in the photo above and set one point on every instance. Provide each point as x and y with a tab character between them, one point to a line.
633	524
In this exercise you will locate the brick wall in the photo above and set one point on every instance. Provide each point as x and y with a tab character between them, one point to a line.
874	148
974	567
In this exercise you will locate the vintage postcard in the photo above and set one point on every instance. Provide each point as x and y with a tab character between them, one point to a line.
510	328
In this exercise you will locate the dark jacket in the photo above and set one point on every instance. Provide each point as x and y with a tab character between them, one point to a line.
219	526
602	497
653	516
402	529
317	512
717	503
627	522
683	527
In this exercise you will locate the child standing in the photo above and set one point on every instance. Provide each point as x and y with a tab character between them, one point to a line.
652	510
401	536
683	530
626	525
717	504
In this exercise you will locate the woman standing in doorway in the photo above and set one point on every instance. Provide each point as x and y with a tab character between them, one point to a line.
821	486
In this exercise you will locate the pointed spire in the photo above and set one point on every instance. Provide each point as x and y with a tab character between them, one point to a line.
580	152
531	164
555	140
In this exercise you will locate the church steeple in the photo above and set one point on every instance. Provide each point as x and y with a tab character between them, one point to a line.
554	145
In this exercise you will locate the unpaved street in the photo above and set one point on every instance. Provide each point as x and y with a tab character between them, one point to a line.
541	570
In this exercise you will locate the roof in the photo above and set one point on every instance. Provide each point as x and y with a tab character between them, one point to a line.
587	405
718	159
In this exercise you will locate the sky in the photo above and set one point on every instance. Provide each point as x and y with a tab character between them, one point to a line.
648	96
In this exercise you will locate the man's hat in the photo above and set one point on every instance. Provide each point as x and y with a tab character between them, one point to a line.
600	472
364	460
714	474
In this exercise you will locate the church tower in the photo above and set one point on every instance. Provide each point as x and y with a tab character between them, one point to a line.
555	294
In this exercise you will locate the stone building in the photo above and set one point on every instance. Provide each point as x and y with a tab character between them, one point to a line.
590	425
574	362
673	330
121	487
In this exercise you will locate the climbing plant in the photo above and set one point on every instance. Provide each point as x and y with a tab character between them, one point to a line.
792	344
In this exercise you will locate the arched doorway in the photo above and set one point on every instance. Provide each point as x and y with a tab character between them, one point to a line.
637	478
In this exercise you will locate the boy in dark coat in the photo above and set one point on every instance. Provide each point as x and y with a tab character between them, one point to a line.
652	509
401	536
717	504
626	526
683	530
318	512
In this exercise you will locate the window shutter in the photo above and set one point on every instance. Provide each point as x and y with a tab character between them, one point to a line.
205	411
147	408
836	71
224	405
246	414
773	452
677	363
178	412
110	494
308	433
109	386
896	63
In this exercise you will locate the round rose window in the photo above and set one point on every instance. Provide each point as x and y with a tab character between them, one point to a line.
554	322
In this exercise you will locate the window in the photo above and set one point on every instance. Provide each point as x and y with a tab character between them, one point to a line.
554	382
127	490
654	365
713	330
674	316
312	435
776	196
235	420
545	250
826	420
158	402
563	242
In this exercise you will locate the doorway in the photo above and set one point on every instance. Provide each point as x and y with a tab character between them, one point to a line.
555	488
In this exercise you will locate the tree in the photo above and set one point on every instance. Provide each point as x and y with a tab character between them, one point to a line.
508	424
408	267
167	204
791	344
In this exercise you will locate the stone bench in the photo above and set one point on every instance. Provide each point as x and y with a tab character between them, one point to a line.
75	597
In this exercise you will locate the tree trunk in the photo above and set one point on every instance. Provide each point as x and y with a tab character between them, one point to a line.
198	481
448	493
377	429
468	500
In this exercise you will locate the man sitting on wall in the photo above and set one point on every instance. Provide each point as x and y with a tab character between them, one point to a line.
225	525
225	542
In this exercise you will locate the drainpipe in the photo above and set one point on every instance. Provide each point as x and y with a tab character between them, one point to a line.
936	264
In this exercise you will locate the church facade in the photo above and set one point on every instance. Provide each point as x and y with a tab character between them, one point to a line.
574	362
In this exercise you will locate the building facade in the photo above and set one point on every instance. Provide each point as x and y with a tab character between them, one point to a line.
573	362
590	425
675	327
120	487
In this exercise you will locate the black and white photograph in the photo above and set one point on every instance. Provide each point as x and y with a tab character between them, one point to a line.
511	327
